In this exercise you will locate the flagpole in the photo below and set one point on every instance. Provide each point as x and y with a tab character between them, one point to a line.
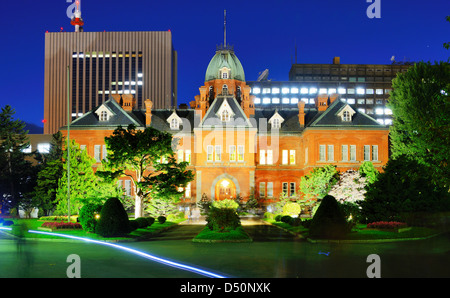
68	143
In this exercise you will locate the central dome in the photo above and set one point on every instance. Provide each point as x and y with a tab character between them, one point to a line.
225	58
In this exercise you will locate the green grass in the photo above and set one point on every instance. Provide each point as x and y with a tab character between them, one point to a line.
34	224
236	235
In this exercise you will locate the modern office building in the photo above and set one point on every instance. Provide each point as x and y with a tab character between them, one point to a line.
87	67
365	87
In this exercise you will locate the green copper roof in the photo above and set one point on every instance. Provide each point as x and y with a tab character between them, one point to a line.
225	58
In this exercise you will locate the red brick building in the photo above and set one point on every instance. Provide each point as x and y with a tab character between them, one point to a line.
236	149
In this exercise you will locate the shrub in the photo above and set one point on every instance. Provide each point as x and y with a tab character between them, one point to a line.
225	204
87	216
286	218
390	225
269	215
278	217
220	219
62	225
175	216
295	221
292	209
142	222
161	219
113	219
329	220
150	220
134	225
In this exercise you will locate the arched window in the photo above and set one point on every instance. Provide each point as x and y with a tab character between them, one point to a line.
103	116
225	89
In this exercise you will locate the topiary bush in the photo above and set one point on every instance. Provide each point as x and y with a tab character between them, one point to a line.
113	219
142	222
292	209
161	219
222	219
329	222
278	217
87	216
286	218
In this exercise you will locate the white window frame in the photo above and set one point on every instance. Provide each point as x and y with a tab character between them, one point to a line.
262	157
366	152
344	152
269	193
322	152
233	153
218	153
240	153
97	153
209	153
285	157
262	189
330	153
375	152
353	153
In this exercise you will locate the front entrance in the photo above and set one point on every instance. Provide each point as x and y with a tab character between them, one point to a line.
225	189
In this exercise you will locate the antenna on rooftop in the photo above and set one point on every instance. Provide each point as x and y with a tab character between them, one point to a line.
77	21
263	76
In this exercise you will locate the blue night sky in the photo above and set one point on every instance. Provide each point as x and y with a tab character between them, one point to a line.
264	34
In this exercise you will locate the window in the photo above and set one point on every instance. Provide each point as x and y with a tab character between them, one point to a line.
276	123
292	157
209	153
270	189
97	153
232	153
27	149
256	90
366	152
127	188
103	116
346	117
225	116
375	152
43	148
174	124
224	75
292	189
240	153
321	152
285	188
187	190
262	189
218	153
262	157
224	89
275	90
104	152
285	157
188	156
330	152
344	152
269	157
352	152
180	156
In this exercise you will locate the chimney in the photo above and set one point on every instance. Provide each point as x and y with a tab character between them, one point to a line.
128	102
148	112
337	60
321	102
301	113
247	102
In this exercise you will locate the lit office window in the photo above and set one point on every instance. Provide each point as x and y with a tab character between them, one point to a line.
388	121
285	90
292	157
360	91
388	111
350	101
269	157
285	157
304	90
188	156
275	90
294	100
266	90
240	153
187	191
379	91
379	111
342	90
218	153
351	91
295	90
285	100
323	91
275	100
209	153
266	100
312	90
257	100
27	149
43	147
332	91
256	90
304	99
369	91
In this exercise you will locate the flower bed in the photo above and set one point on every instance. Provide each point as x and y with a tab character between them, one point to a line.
388	225
61	225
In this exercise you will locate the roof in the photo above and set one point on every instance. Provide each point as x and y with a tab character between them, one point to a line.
225	58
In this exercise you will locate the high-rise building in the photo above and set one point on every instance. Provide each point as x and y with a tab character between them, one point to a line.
103	63
365	87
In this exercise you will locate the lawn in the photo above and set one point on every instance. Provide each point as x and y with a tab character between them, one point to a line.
34	224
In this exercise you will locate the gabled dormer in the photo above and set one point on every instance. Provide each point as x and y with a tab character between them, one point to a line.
225	113
225	73
104	113
174	121
276	120
346	113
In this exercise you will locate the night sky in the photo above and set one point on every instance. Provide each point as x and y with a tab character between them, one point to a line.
264	35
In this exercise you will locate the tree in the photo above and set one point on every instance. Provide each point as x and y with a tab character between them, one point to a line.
15	170
420	105
139	154
447	44
403	189
329	221
317	184
113	219
84	185
44	195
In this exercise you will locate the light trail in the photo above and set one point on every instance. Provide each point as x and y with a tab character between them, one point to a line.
139	253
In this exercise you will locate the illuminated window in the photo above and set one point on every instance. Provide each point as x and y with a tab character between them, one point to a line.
240	153
270	189
209	153
323	91
187	191
275	100
379	91
180	155
295	90
285	100
262	157
304	90
262	189
188	156
331	91
266	100
27	149
257	100
218	153
256	90
266	90
342	90
294	100
275	90
285	157
285	90
292	157
360	91
351	101
312	90
225	116
232	153
269	157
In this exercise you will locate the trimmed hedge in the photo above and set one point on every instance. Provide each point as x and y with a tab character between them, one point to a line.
113	219
329	221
